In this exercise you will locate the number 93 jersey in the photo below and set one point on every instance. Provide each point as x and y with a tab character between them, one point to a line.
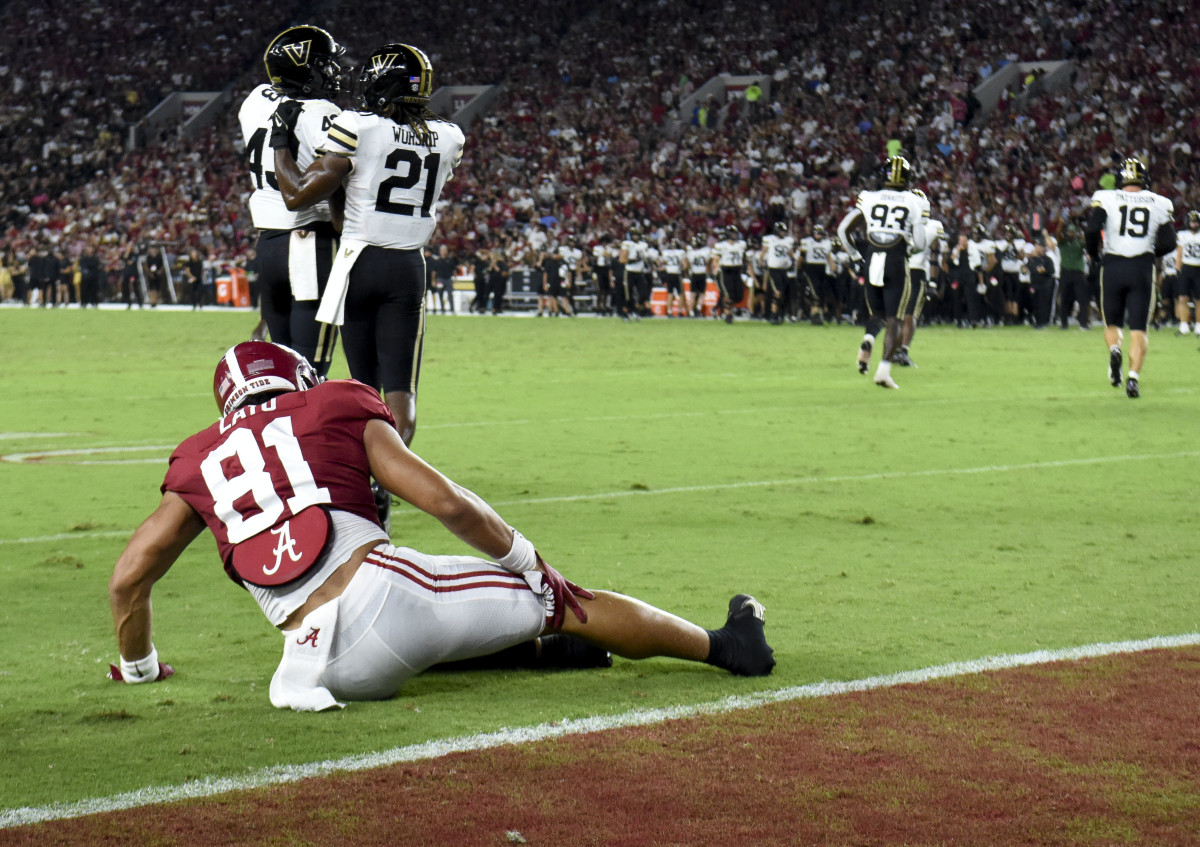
1132	220
395	179
267	209
891	216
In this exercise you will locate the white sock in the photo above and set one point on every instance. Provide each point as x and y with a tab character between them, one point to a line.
1133	375
870	339
1184	328
884	371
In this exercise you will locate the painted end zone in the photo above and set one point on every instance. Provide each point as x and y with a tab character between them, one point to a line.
1089	740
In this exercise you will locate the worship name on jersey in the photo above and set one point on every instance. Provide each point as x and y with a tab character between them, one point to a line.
404	136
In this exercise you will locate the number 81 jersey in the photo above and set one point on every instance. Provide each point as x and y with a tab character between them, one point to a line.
395	179
259	465
1132	219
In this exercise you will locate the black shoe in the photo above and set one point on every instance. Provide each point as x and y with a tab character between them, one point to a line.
903	360
740	646
729	317
1131	388
383	506
815	320
1114	367
567	651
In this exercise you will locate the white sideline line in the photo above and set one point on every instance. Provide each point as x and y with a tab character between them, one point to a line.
281	774
809	480
8	436
728	486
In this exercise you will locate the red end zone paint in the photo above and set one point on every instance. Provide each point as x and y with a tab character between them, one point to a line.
1103	750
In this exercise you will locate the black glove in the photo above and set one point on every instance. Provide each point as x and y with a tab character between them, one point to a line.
283	122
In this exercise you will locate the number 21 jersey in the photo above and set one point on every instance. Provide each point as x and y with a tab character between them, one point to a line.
395	180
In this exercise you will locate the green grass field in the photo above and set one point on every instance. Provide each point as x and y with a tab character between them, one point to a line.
1005	499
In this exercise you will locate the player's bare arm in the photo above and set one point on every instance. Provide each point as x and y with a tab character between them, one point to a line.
410	478
154	547
319	182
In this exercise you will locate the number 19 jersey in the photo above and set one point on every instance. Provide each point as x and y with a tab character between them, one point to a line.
1132	219
395	179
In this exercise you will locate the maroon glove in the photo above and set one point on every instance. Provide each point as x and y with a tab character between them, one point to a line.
564	593
164	671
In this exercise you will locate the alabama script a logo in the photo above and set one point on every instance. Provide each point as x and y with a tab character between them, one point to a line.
311	638
286	544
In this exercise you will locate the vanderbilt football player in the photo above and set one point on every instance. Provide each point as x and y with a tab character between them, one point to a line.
295	247
395	156
919	277
730	255
893	223
1187	266
1136	226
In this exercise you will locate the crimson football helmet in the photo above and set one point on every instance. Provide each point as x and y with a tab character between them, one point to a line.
255	367
302	61
395	73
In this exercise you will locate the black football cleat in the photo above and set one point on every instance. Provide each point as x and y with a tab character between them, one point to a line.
567	651
1131	388
1114	366
746	650
902	359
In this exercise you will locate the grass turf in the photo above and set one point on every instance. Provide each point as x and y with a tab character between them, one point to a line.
1005	499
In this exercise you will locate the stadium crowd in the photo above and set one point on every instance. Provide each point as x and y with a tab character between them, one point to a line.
588	138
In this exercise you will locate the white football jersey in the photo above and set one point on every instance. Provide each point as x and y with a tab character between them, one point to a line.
816	251
571	255
395	180
730	254
635	256
672	260
697	258
1010	254
600	257
1132	220
1189	247
267	209
934	231
779	250
892	216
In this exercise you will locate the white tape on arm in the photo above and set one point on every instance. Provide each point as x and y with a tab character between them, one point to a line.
141	670
522	557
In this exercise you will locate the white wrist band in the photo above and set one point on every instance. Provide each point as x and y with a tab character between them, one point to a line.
142	670
521	557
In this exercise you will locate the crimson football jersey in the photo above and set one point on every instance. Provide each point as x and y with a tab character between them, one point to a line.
262	464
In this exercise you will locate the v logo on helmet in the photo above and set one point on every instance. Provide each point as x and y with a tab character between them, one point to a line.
298	52
382	63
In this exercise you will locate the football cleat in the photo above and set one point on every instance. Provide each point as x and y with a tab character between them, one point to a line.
886	382
1114	366
902	359
750	655
864	356
1131	388
566	651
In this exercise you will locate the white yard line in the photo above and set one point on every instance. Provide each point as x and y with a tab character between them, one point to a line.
730	486
281	774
